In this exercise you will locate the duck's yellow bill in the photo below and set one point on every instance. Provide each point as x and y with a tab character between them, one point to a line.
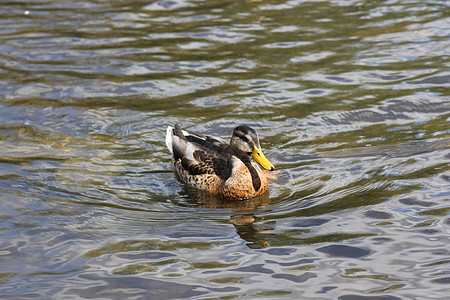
261	159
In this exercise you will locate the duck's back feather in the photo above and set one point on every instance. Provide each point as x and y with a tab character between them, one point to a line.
199	154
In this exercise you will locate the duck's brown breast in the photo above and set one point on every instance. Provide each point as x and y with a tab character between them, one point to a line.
240	184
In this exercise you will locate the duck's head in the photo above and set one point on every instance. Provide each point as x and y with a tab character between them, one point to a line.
245	140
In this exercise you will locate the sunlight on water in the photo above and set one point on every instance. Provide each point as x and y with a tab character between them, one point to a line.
350	101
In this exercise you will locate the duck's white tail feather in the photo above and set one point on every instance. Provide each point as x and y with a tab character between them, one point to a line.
169	138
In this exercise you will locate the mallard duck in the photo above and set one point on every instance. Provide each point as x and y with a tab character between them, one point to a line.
224	169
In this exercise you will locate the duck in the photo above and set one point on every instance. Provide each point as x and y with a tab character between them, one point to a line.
227	170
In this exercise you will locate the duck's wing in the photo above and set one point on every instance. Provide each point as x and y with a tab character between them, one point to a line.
212	143
199	154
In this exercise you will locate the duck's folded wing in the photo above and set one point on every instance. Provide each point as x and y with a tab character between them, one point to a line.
198	163
198	154
203	162
189	152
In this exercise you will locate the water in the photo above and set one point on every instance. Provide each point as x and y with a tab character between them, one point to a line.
351	103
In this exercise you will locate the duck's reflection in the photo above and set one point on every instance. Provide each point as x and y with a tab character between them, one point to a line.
247	229
242	218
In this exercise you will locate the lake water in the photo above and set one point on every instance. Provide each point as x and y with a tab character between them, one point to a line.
351	103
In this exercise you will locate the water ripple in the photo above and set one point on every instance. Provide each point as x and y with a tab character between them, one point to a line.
350	102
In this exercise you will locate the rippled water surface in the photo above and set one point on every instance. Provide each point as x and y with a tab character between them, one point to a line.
351	103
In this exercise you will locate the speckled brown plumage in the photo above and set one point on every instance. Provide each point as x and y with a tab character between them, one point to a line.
238	186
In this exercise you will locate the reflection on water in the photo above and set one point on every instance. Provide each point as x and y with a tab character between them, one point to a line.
350	100
242	215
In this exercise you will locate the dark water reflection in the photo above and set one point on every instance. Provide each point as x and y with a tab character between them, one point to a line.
351	102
